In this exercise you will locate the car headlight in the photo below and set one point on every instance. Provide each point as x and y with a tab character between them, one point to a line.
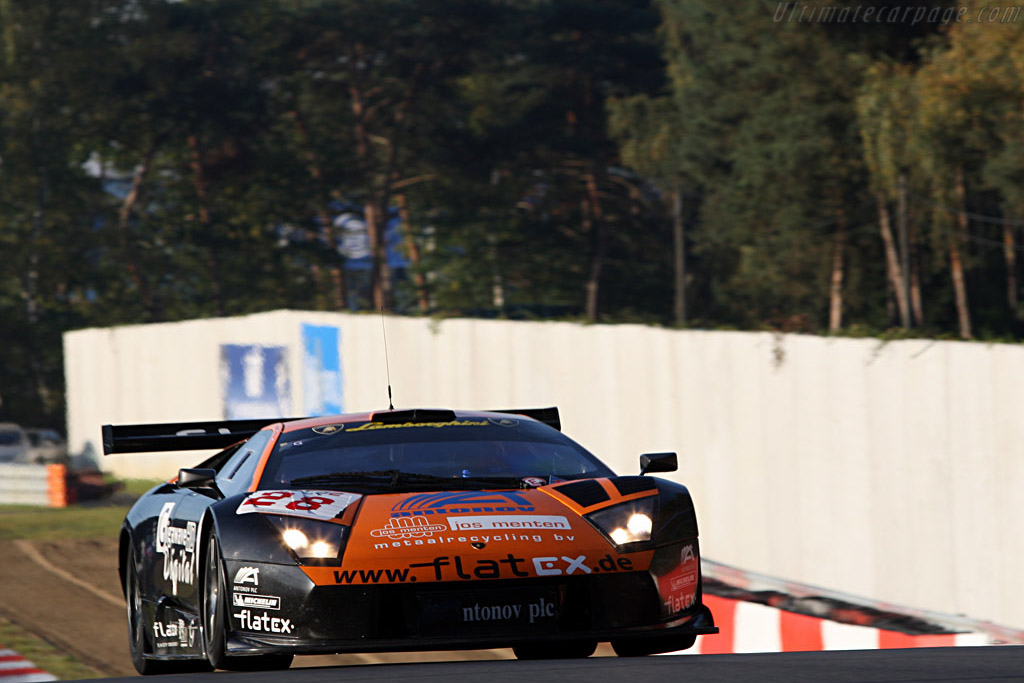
310	540
631	522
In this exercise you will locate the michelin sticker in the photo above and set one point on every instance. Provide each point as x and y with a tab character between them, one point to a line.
324	505
259	601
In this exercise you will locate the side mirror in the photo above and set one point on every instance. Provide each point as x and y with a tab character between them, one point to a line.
658	462
197	478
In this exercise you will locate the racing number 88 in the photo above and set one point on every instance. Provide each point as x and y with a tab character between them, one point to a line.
309	503
269	498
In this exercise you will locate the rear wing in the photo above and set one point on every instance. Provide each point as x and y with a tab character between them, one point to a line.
180	436
195	436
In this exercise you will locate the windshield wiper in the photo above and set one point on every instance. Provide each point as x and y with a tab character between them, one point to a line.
411	481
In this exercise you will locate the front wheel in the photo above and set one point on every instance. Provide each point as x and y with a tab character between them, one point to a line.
137	630
213	606
574	649
214	620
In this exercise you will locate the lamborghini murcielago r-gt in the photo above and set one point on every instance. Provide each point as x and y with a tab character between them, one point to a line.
402	530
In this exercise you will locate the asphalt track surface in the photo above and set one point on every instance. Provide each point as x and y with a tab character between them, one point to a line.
996	663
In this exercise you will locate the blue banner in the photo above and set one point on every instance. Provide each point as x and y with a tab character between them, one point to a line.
255	380
321	370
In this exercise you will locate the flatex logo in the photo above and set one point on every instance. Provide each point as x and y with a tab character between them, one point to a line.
263	622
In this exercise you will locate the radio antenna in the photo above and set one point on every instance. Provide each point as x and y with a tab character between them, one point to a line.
391	405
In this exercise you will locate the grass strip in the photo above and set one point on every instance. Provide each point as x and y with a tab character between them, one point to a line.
91	520
38	523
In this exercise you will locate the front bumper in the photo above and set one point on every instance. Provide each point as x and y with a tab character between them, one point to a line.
290	614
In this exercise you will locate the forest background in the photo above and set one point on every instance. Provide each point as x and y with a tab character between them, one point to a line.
853	168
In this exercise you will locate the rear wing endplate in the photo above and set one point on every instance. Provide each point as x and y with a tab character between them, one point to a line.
548	416
180	436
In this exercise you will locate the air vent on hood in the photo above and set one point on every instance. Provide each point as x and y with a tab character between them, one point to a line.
630	485
585	493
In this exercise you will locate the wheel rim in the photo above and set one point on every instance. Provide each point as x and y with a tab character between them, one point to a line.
212	591
134	606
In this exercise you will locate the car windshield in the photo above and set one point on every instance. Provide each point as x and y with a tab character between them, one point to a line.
469	452
10	437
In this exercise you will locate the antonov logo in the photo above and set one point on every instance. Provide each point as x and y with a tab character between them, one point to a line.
686	554
248	575
461	502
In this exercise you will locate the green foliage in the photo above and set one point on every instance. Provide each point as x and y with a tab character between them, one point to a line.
166	160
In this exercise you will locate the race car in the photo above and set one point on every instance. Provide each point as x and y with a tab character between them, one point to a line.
401	530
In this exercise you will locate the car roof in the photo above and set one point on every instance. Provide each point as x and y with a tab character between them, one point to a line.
348	418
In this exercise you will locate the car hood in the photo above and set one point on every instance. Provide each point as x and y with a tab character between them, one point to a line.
467	535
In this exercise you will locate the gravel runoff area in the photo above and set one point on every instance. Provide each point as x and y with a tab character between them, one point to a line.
67	592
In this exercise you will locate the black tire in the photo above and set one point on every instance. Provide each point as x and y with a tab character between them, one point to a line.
652	646
215	617
213	604
572	649
137	630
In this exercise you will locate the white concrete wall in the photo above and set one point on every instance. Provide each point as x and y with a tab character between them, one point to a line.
893	471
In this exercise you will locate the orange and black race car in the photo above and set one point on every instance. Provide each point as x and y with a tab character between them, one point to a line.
402	530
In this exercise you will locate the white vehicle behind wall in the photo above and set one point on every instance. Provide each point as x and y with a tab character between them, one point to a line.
30	445
14	444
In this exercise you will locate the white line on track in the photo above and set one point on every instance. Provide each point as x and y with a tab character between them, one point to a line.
36	557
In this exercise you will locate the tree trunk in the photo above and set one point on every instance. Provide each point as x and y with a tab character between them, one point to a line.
414	252
892	261
955	262
378	199
199	183
316	173
835	308
31	294
1010	256
901	219
679	251
374	232
916	302
594	216
135	268
379	276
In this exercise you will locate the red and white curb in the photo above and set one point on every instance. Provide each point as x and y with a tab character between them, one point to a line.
753	627
16	669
